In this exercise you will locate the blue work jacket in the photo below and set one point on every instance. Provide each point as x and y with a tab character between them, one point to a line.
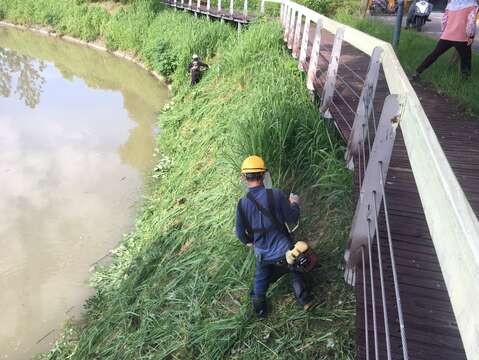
274	244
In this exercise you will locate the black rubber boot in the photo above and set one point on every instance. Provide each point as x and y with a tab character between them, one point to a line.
301	292
260	308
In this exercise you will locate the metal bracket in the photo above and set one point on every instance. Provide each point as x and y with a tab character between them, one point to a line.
287	20
330	85
292	23
378	159
365	106
304	44
313	61
297	35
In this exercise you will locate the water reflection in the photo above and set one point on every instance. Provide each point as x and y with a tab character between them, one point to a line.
71	163
22	72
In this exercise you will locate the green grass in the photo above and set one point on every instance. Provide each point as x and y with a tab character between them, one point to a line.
413	48
178	285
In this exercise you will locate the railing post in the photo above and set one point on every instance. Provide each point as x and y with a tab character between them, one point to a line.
314	58
304	44
245	9
198	4
190	3
208	7
261	9
286	11
219	6
365	107
330	85
378	161
232	9
286	23
297	36
182	3
291	29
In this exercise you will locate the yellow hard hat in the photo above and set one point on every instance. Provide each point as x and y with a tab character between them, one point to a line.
253	164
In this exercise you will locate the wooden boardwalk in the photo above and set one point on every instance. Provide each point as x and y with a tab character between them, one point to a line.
431	329
201	7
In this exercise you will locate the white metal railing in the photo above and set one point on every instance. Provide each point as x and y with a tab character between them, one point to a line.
231	13
452	224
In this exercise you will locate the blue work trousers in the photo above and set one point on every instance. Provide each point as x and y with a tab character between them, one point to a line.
267	274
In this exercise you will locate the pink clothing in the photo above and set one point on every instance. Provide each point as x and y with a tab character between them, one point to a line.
459	25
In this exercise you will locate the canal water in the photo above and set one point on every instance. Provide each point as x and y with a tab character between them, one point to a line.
76	142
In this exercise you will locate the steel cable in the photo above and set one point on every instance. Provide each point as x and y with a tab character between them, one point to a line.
393	266
381	276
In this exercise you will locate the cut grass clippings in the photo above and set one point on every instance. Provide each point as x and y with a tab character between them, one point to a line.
179	282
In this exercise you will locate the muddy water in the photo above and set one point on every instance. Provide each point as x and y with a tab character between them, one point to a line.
76	138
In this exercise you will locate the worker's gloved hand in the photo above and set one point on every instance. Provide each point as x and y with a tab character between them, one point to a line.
293	198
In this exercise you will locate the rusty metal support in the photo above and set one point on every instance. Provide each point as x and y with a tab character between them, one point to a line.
304	44
365	108
330	85
313	61
297	36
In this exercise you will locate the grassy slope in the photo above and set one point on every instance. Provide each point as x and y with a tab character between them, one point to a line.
413	48
178	286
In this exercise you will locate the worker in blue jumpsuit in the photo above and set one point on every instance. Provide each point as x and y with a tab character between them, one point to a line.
260	223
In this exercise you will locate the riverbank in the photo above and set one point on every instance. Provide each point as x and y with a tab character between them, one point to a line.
97	45
178	285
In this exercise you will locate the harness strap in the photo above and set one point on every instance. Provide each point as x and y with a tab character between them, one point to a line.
269	213
272	205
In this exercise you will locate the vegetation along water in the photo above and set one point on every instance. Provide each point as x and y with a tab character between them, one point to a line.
178	284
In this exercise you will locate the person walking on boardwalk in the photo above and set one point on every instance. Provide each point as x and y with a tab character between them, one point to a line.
458	31
261	216
196	67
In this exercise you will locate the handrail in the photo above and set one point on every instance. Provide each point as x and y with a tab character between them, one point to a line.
453	226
